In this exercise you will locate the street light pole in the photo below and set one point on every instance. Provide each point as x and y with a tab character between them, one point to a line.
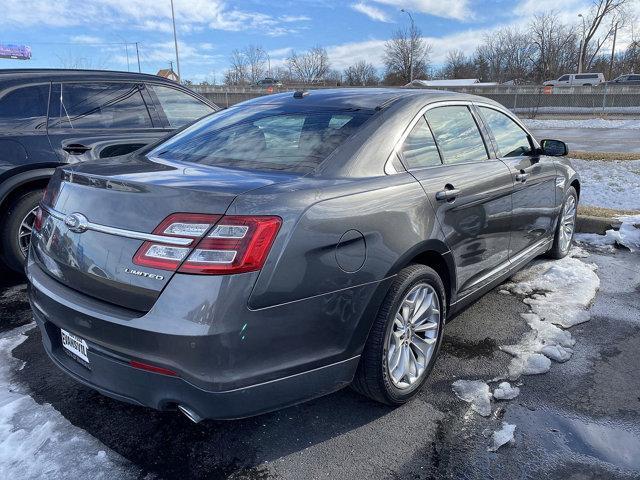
138	55
175	40
581	54
410	44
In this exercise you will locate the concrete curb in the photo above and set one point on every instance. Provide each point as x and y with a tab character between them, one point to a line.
599	225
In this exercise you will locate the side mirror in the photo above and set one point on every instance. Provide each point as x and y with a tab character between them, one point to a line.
554	148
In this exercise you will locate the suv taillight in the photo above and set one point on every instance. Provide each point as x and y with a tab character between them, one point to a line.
235	244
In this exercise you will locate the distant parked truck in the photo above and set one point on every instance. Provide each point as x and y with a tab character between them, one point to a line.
577	79
622	80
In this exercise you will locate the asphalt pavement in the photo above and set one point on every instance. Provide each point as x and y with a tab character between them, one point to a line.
579	421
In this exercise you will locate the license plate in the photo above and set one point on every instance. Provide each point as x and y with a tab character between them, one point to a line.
76	345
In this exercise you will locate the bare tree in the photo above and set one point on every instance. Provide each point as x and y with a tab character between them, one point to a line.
405	53
310	66
457	65
603	13
361	73
555	46
256	59
506	55
238	71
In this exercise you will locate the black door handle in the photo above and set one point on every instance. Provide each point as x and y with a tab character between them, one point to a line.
76	148
522	176
448	194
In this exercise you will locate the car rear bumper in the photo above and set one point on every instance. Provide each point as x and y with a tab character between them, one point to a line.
220	373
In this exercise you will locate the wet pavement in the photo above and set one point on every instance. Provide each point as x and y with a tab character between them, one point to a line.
579	421
593	139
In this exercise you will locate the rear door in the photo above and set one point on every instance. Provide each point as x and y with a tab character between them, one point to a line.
91	120
534	178
469	191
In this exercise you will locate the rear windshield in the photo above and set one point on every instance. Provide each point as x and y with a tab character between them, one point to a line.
263	137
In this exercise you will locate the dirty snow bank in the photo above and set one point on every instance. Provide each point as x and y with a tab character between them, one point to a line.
37	442
583	123
609	184
505	391
475	392
628	236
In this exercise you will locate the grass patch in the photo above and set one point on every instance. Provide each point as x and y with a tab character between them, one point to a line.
607	156
603	212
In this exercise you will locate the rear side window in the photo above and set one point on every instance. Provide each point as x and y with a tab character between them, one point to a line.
511	139
180	108
98	106
24	108
263	138
457	134
419	148
634	78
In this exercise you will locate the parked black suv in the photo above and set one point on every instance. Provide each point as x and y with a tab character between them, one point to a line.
54	117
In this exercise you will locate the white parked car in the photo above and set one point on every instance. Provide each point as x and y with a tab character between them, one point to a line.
577	79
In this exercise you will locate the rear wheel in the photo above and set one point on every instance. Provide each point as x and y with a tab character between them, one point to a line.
566	225
404	339
17	224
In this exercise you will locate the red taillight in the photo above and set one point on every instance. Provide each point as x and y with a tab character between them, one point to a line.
236	244
37	222
165	256
152	368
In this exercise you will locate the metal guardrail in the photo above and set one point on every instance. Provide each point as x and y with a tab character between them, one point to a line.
526	100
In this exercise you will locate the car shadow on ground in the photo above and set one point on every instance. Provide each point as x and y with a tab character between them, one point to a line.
14	306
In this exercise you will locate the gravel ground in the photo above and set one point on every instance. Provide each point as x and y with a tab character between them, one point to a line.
581	420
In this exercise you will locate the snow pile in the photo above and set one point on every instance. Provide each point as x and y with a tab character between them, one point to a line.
475	392
502	437
609	184
628	236
505	391
583	123
37	442
558	291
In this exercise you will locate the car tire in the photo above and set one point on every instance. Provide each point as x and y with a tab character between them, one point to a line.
12	230
566	227
375	377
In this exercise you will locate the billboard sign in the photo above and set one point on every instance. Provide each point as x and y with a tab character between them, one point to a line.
15	52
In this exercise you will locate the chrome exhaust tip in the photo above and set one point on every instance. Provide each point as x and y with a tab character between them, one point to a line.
190	414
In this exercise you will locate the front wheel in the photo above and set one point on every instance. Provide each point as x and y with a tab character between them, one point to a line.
566	225
405	338
17	224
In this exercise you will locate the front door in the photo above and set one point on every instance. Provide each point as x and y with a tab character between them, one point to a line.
534	177
470	193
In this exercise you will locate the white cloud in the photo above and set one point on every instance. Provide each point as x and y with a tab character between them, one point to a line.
456	9
370	11
86	39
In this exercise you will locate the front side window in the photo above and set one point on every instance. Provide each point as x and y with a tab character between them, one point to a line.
563	78
179	107
263	137
98	106
512	140
634	78
419	148
457	134
24	107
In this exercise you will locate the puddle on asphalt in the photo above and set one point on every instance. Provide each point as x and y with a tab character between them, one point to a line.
610	441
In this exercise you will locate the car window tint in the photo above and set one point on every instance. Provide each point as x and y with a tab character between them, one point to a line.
511	139
263	137
457	134
634	78
100	106
24	108
179	107
563	78
419	148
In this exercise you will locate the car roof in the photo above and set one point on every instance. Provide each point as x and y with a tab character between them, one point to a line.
358	98
57	74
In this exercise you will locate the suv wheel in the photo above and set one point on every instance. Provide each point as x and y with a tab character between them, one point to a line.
566	225
15	233
404	339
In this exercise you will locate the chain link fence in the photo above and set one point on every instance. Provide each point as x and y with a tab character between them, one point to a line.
527	101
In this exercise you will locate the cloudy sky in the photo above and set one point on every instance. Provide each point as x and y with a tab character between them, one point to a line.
93	33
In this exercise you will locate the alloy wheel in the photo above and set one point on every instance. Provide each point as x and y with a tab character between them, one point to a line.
24	232
414	336
567	223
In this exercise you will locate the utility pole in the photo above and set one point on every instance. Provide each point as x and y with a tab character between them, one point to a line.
175	41
138	54
126	51
613	50
581	55
410	44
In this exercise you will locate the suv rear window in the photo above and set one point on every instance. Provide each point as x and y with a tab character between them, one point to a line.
24	107
263	138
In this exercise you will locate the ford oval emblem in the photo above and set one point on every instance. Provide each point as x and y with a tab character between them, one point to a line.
76	222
